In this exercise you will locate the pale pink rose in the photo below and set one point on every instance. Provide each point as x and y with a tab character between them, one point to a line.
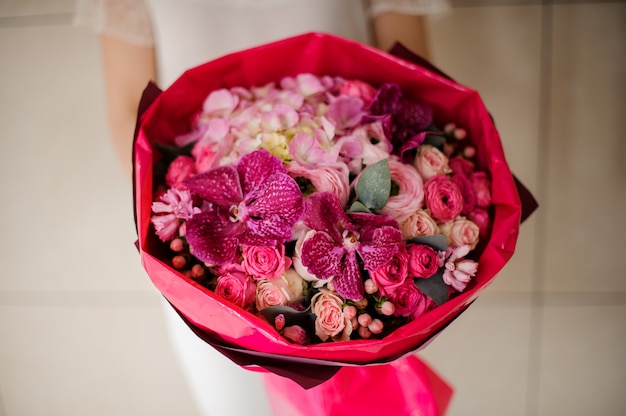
236	287
418	224
443	198
423	260
409	301
482	189
333	178
360	89
262	262
393	273
181	168
430	161
459	271
410	191
330	321
461	232
480	217
280	291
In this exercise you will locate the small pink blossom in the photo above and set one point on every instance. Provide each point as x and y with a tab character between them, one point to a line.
220	102
422	260
175	207
459	271
345	112
443	198
296	333
263	262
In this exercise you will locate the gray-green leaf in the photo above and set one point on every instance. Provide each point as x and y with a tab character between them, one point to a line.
374	185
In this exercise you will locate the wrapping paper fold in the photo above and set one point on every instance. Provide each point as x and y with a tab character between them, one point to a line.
247	339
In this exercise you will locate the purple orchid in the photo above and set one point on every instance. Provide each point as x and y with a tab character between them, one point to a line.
255	203
332	251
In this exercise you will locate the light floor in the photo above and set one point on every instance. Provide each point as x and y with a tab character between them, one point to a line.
81	327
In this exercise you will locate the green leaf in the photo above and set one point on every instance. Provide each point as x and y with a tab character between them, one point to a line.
374	185
434	287
358	207
438	242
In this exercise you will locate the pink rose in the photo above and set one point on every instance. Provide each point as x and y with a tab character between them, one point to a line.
482	189
480	217
443	198
237	288
420	223
423	260
332	178
330	321
393	273
181	168
262	262
410	191
461	166
360	89
467	190
459	271
279	291
461	232
410	301
430	161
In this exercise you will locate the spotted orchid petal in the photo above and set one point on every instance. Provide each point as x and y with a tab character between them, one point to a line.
349	283
322	256
219	186
323	212
213	240
255	168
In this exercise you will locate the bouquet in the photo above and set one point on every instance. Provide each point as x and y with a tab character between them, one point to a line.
339	207
335	209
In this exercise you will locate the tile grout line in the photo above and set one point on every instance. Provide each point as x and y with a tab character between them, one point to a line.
533	388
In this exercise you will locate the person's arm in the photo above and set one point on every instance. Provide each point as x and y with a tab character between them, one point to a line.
410	30
127	70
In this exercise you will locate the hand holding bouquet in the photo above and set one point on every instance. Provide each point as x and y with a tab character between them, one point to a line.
316	190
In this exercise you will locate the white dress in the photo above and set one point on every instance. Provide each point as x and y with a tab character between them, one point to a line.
186	33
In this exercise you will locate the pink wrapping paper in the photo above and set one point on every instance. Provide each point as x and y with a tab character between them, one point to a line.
340	378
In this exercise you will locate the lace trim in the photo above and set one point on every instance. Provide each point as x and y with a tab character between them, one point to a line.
414	7
124	19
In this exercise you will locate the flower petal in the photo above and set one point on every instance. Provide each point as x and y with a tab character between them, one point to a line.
350	283
256	167
280	196
378	246
321	256
269	229
213	240
323	212
219	186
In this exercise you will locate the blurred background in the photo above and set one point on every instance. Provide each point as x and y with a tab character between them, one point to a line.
81	326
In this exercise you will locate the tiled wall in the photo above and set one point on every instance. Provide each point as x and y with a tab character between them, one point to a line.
81	327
